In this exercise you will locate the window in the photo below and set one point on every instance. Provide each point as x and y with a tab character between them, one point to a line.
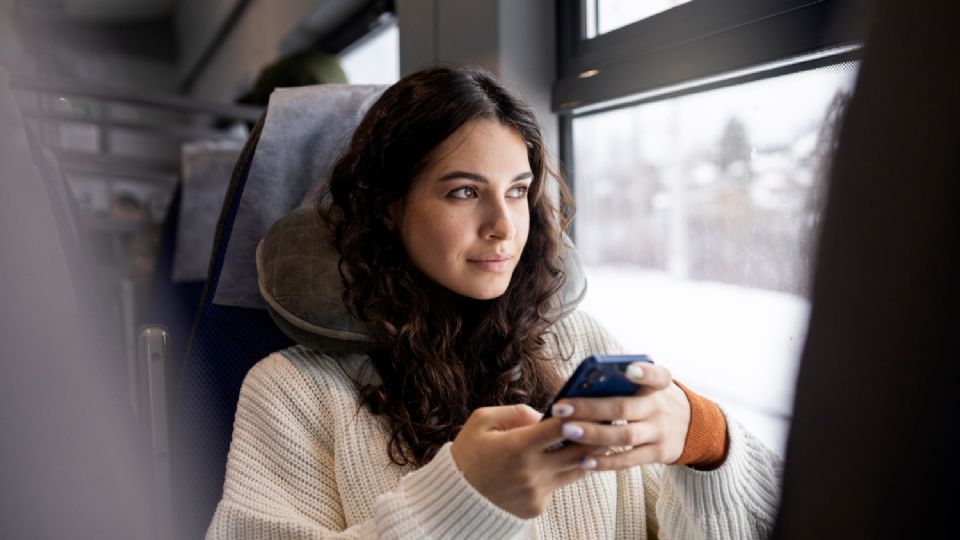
375	59
697	141
604	16
695	220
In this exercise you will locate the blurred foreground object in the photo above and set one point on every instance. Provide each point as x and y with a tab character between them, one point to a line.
71	459
871	453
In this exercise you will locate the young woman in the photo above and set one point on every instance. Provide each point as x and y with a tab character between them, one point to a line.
450	245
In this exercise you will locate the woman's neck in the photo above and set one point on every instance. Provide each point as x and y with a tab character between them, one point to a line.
446	302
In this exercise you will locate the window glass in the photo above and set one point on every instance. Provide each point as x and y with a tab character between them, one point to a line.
603	16
695	221
374	59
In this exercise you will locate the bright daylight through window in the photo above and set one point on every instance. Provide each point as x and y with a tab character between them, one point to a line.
604	16
374	59
696	218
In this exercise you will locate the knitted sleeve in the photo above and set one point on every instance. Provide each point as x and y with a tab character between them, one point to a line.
281	482
738	499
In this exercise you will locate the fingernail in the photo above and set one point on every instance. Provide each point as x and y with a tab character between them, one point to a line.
634	373
588	463
562	410
572	431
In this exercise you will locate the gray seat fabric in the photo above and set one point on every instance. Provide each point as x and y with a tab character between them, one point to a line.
305	130
206	169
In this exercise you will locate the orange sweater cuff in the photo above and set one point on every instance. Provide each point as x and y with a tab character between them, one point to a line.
707	443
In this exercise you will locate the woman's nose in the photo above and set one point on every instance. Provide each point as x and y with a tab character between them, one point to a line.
498	223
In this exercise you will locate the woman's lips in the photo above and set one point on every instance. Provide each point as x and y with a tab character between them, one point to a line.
492	264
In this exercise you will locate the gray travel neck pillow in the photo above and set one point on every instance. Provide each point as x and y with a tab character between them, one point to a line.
299	279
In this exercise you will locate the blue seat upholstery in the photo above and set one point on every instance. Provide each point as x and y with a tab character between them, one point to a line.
225	342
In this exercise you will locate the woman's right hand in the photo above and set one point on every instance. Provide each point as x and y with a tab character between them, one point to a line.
502	453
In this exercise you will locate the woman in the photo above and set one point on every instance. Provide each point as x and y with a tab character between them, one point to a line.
451	247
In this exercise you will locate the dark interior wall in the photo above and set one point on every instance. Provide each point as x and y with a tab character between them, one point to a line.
513	40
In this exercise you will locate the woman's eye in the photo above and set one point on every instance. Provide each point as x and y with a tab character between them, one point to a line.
518	192
465	192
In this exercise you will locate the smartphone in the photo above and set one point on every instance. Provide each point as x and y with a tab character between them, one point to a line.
599	376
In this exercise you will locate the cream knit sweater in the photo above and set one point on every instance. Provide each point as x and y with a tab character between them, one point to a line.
307	462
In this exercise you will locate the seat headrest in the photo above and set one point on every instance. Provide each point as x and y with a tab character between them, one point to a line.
300	281
205	170
303	134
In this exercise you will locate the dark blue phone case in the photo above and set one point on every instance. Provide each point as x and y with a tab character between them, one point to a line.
600	376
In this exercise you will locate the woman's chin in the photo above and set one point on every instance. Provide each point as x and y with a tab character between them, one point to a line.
481	291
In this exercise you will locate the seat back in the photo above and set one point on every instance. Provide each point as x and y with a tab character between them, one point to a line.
290	149
186	241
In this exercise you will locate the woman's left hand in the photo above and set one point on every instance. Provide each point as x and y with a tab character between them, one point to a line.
657	419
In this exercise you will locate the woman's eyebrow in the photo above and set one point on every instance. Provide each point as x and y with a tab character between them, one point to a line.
459	175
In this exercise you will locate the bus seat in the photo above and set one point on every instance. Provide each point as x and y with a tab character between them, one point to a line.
205	170
293	146
299	144
186	239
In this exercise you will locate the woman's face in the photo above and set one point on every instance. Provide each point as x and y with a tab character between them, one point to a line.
465	220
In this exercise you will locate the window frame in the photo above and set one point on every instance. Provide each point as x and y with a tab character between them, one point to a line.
703	41
691	41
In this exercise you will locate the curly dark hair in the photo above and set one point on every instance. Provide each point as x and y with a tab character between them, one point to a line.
443	355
